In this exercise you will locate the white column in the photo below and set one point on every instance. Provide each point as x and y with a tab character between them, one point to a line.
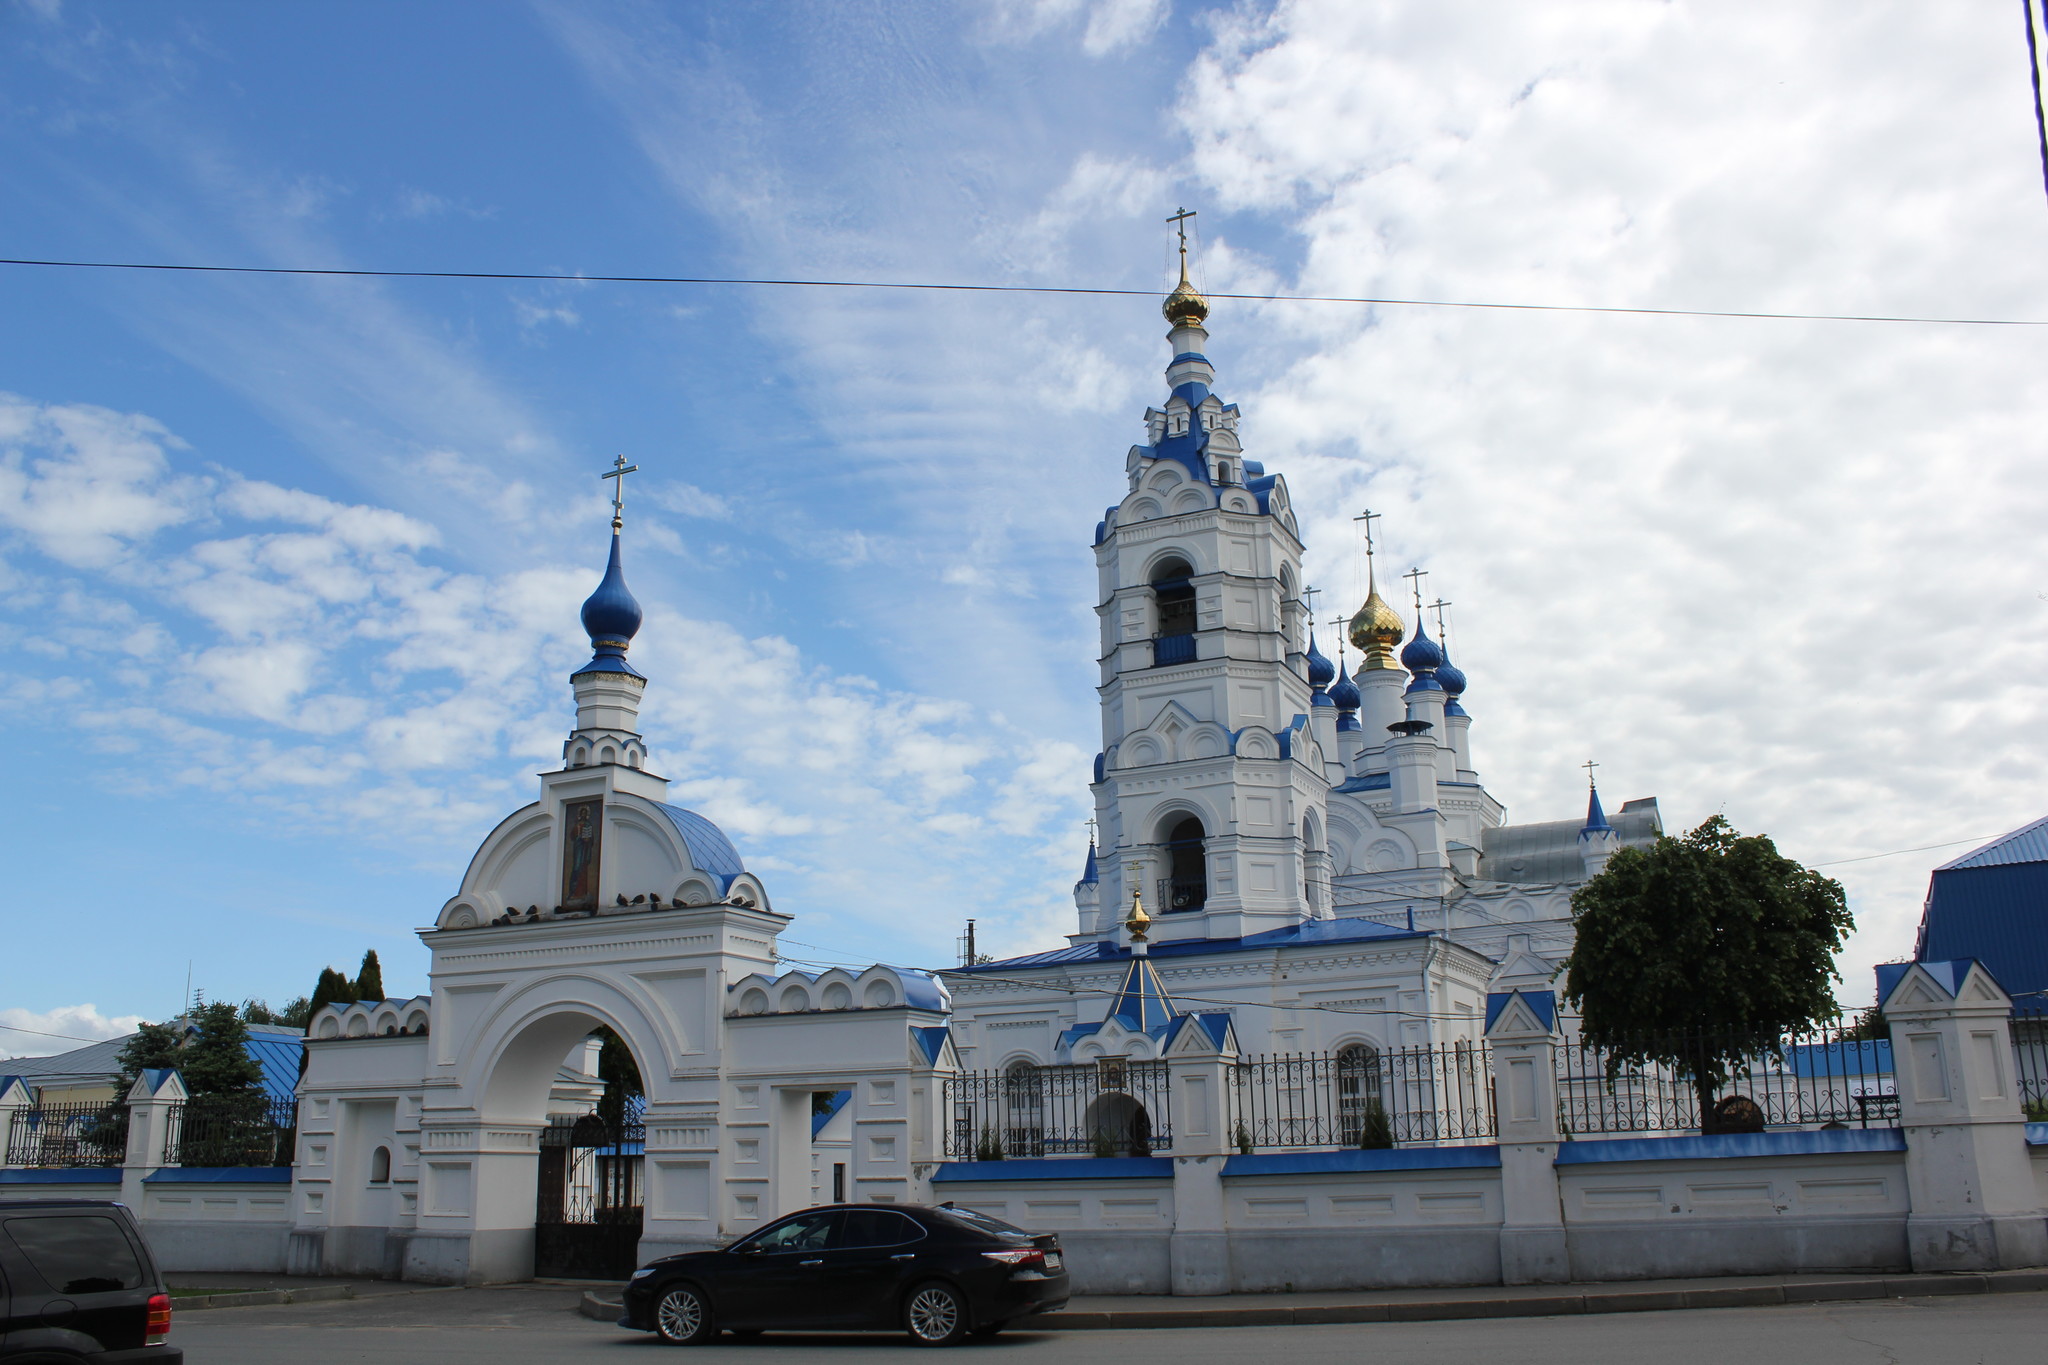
1198	1080
150	1101
1974	1202
14	1098
1521	1033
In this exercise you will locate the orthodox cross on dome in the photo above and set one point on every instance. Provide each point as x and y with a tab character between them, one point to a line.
1337	624
619	470
1415	577
1308	599
1438	607
1180	225
1589	765
1090	822
1368	516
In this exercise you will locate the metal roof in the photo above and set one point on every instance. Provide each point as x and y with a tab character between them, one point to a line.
275	1050
2027	844
1995	912
1342	930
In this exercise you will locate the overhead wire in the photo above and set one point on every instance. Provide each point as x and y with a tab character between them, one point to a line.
1080	290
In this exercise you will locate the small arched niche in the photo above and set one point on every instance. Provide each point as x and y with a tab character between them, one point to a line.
1187	879
380	1166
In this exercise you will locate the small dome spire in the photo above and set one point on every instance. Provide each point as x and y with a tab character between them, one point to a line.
1321	672
1185	306
1450	675
611	617
1422	655
1345	692
1596	818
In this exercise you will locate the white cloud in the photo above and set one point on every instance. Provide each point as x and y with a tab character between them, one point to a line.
23	1032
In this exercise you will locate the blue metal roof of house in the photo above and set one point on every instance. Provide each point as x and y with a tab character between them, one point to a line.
1346	930
1991	904
710	850
274	1049
2027	844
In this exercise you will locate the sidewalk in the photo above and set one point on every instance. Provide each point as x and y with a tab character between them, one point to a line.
242	1289
1099	1312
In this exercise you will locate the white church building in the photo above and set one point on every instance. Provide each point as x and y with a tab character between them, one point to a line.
1295	861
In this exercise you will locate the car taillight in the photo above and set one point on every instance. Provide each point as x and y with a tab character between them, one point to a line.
159	1325
1032	1257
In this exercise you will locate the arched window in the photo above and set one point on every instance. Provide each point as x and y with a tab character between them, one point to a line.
1186	885
1024	1109
1174	597
1361	1109
380	1166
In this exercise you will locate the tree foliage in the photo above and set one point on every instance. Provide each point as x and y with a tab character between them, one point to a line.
369	981
332	989
294	1013
209	1050
623	1088
1699	951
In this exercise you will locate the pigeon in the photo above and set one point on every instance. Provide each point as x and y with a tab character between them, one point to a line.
639	900
622	898
655	900
533	910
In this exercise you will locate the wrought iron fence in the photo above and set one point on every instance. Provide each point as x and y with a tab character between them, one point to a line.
1830	1075
68	1135
233	1130
1181	893
1110	1107
1173	649
2030	1060
1362	1097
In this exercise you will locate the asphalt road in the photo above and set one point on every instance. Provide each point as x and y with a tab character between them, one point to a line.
515	1325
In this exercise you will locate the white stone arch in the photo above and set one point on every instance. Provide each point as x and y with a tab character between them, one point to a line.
697	889
1141	752
1312	831
1171	810
837	989
1017	1057
1161	554
509	1063
1192	500
1206	740
1239	502
1165	477
1256	741
1143	509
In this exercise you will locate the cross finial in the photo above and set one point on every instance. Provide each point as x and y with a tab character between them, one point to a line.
1415	577
619	470
1589	765
1180	224
1308	597
1090	822
1438	607
1368	517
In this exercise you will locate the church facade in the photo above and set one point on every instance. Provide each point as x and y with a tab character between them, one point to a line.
1295	858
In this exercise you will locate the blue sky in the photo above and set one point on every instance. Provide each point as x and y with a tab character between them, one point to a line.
291	565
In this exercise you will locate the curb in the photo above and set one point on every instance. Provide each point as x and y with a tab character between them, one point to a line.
1538	1305
252	1298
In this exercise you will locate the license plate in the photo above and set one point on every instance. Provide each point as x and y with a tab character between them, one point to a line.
1053	1261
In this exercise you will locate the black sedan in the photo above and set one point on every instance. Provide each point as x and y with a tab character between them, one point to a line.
940	1274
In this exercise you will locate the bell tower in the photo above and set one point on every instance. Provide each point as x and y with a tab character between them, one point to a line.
1211	783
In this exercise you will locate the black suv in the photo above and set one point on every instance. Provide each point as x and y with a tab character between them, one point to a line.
77	1284
940	1274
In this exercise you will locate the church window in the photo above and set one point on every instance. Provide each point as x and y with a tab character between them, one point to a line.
1186	885
582	755
1174	597
610	755
1024	1103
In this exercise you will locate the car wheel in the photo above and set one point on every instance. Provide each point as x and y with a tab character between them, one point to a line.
682	1318
935	1314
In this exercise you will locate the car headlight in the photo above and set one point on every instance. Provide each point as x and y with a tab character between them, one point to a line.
642	1273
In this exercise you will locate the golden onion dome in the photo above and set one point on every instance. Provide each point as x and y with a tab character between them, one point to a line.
1375	630
1185	306
1139	921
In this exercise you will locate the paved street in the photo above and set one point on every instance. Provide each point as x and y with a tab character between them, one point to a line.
515	1325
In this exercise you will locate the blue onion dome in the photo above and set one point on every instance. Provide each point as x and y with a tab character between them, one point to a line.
1451	676
1422	654
1321	672
1345	693
611	616
1424	682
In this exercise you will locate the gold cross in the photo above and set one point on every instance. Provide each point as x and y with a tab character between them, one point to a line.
1415	576
1589	765
1438	607
1368	517
619	470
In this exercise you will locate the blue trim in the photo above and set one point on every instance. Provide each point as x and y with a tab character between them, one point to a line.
930	1040
1371	782
1358	1159
1543	1004
1825	1142
818	1121
1057	1168
221	1175
2037	1135
89	1175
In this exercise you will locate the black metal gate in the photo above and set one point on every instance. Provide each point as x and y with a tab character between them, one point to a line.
587	1212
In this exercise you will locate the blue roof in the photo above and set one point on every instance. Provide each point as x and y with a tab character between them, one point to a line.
611	617
831	1110
1995	912
1321	672
1420	654
1371	782
1543	1004
930	1040
1871	1057
1141	1003
1090	873
2027	844
278	1054
1344	692
1596	818
710	850
1315	931
1215	1024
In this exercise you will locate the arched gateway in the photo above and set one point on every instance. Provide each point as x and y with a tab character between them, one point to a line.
437	1134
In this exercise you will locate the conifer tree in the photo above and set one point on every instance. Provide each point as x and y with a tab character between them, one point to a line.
332	989
370	978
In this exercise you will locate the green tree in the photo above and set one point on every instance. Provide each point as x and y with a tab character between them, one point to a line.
621	1076
1698	952
294	1014
370	978
332	989
153	1046
216	1063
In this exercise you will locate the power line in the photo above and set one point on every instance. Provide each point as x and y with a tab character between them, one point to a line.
1924	848
932	287
67	1037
